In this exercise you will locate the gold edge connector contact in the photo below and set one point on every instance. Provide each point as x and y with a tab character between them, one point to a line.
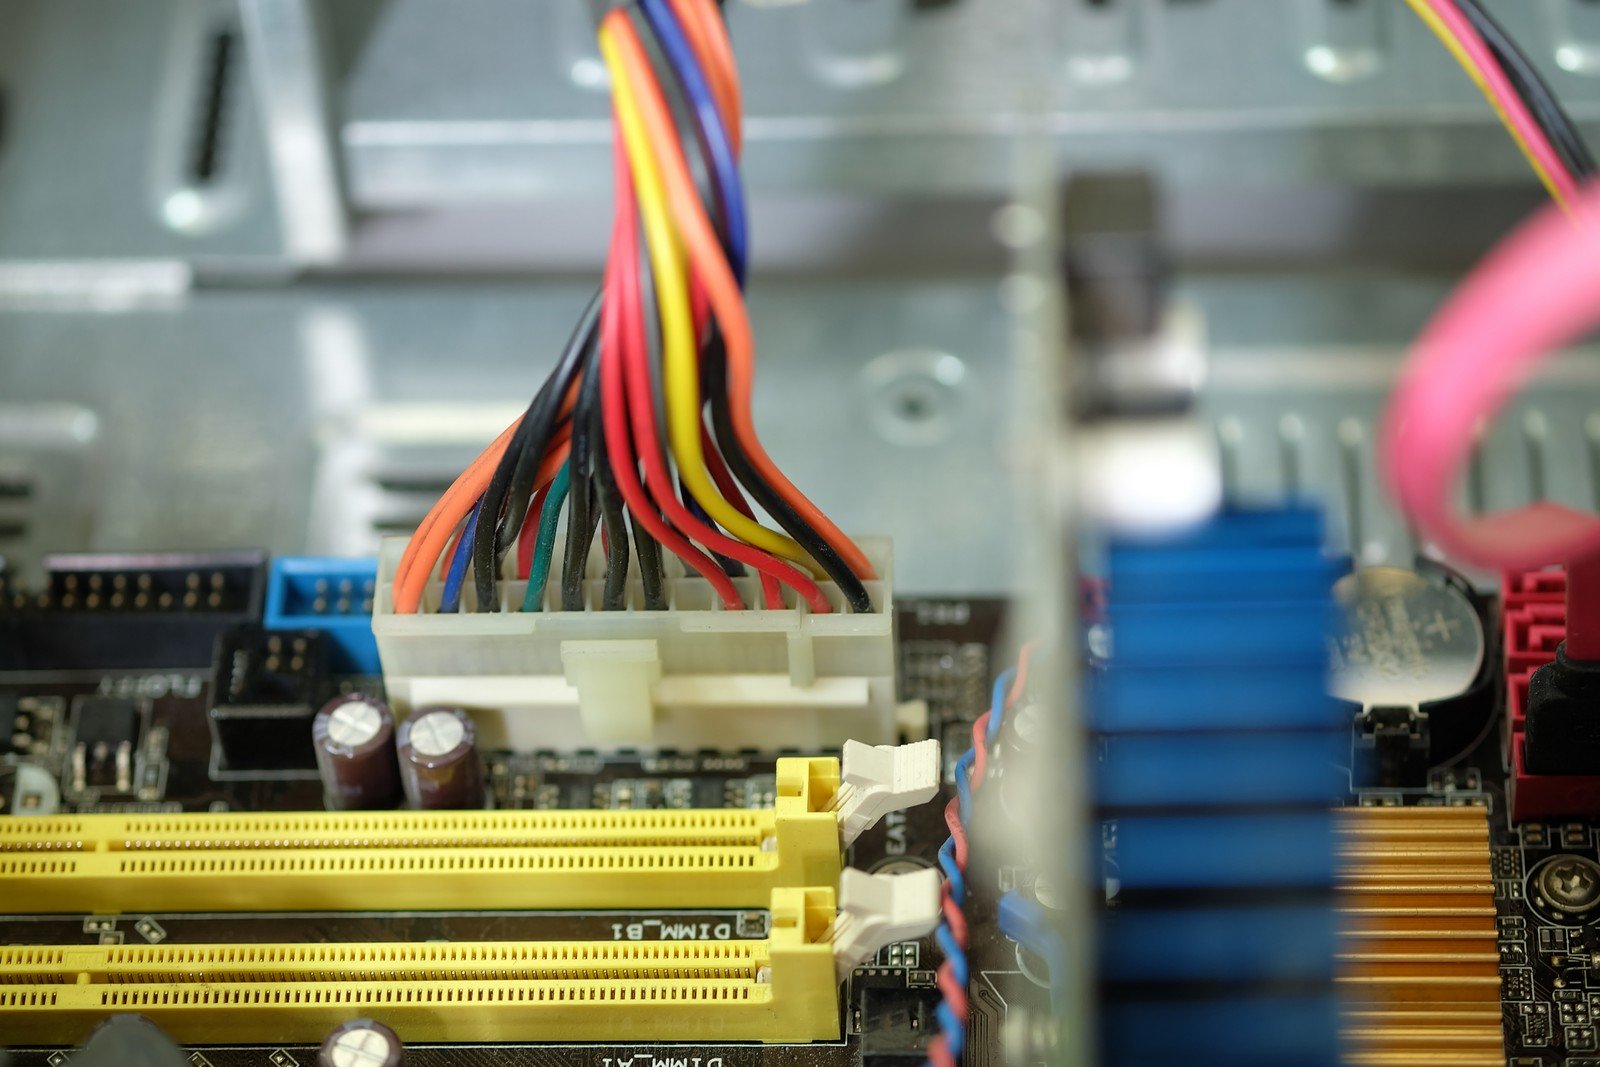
782	989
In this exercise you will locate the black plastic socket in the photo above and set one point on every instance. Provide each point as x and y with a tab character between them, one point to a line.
1562	731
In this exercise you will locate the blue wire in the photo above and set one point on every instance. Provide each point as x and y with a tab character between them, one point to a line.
997	703
450	602
718	144
947	944
953	1027
964	786
952	873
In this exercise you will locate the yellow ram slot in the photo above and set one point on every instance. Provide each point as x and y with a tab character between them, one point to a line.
412	860
782	989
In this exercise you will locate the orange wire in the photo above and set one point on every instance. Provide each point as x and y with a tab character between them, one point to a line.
405	599
447	555
424	531
439	525
706	256
414	545
708	35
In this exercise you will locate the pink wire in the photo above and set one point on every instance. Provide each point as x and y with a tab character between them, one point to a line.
1535	293
1511	103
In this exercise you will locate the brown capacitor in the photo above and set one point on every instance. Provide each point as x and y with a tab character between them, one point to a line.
354	740
361	1043
439	759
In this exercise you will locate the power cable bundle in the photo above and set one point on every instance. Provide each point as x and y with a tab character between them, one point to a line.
1525	102
644	427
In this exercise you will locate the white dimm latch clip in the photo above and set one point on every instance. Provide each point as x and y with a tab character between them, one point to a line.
880	909
877	779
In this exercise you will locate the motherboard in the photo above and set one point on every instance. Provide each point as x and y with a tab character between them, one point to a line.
1393	868
228	732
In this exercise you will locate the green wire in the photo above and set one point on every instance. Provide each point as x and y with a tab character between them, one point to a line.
545	546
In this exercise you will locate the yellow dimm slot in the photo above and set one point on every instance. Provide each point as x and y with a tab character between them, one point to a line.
782	989
411	860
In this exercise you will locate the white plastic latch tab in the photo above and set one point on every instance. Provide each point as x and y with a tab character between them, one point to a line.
879	909
616	683
877	779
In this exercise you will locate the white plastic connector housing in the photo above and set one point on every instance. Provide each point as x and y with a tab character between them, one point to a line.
877	779
694	676
879	909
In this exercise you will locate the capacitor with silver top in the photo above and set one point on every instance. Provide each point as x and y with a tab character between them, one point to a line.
354	740
439	765
361	1043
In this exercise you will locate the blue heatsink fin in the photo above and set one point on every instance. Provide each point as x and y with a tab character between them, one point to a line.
1219	756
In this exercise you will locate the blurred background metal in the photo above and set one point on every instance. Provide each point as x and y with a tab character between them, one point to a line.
270	270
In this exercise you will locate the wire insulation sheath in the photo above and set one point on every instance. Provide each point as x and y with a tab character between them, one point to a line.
1534	294
1457	35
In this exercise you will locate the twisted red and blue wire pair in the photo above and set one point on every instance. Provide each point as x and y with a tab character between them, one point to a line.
951	933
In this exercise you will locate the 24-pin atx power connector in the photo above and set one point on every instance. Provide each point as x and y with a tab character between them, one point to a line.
693	676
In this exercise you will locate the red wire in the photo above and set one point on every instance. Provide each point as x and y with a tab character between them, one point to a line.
953	916
706	256
730	490
700	311
938	1050
656	474
958	832
1019	683
955	994
623	261
980	751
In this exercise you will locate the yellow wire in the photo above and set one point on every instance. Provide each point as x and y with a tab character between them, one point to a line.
680	372
1442	31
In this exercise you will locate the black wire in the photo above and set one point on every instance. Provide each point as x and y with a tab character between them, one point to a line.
714	356
700	170
650	569
650	563
715	369
652	332
515	473
615	594
730	566
1541	99
689	134
585	335
581	513
581	520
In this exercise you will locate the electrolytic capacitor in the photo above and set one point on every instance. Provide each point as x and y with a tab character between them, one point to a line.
354	740
439	759
361	1043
